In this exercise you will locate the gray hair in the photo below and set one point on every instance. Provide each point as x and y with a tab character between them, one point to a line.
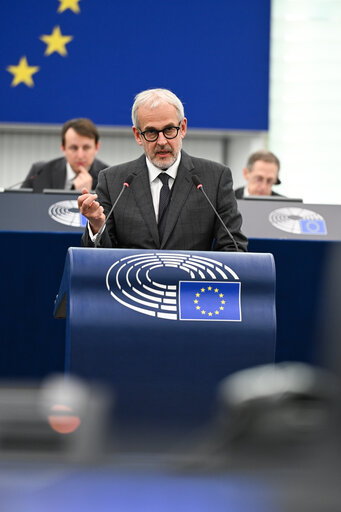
153	98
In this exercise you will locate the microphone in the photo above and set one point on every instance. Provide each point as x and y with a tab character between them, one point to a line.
30	179
12	187
199	186
126	184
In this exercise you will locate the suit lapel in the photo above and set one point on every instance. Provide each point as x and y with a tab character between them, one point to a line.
143	197
181	188
58	175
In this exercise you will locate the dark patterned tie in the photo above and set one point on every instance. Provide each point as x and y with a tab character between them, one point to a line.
163	202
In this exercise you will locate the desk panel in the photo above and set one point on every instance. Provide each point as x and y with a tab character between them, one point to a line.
34	247
46	213
287	220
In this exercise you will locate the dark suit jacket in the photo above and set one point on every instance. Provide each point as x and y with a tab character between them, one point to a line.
191	224
239	192
52	174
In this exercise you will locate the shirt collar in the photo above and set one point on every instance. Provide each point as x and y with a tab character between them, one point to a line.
70	173
172	171
246	192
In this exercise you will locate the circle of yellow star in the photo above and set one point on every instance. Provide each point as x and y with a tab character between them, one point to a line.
56	42
22	73
69	4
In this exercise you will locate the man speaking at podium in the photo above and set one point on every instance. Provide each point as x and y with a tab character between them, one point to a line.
167	199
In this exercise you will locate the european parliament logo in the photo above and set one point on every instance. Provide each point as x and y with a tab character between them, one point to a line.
67	213
209	301
176	286
298	221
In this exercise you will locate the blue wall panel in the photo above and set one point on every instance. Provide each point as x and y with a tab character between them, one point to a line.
213	55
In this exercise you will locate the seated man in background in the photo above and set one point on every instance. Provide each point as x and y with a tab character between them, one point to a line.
261	173
78	168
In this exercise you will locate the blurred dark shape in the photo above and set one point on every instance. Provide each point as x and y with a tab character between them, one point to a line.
276	408
277	426
329	321
60	419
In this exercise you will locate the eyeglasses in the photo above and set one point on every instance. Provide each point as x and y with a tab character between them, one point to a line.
260	180
170	132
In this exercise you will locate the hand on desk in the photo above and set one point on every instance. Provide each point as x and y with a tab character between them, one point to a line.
91	209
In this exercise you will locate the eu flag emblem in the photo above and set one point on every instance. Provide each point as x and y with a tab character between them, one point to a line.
203	300
313	226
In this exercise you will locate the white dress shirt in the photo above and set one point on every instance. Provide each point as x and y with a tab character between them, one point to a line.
155	186
156	183
70	176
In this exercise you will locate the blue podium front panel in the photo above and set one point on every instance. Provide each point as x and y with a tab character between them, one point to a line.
163	328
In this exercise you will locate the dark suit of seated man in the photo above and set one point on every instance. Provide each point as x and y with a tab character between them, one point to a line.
159	125
78	168
261	174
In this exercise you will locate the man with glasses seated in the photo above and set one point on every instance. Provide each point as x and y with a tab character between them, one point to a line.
162	207
261	174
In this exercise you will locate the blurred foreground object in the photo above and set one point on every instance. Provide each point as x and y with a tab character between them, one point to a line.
281	423
278	405
60	419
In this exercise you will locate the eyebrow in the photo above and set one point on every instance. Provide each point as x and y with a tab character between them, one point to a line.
169	125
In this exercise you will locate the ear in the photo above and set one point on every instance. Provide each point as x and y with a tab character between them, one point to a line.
137	136
246	173
183	128
98	145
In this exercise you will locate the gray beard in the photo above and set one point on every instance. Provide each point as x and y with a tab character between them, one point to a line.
164	167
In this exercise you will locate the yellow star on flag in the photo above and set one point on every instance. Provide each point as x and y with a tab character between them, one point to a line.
56	42
69	4
22	73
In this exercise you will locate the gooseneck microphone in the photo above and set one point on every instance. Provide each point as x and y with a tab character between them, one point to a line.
126	184
12	187
29	179
199	186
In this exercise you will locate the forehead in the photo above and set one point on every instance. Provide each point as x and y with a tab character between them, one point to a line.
72	137
157	117
264	168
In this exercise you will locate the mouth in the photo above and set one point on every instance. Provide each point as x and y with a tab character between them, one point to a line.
163	152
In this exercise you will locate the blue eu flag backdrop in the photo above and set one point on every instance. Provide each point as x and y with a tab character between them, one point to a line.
210	301
62	59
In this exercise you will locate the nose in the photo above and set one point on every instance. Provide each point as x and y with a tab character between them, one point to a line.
80	153
162	139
